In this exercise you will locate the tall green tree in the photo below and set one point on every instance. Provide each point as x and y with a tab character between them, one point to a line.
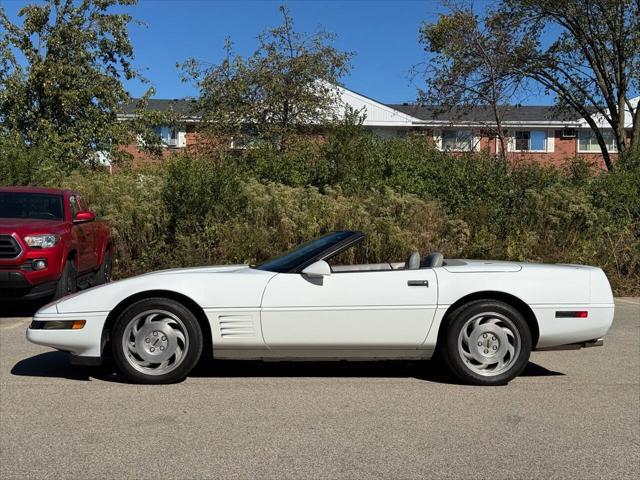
586	52
592	64
61	77
289	81
472	66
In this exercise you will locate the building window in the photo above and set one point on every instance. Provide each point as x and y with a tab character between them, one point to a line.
168	135
245	142
588	143
531	141
457	140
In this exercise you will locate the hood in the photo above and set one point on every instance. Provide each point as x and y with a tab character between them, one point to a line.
217	286
207	269
158	273
26	226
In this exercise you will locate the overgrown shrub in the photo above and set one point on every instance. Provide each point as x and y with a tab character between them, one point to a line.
402	192
131	201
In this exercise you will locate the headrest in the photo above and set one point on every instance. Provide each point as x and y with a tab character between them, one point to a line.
413	262
433	260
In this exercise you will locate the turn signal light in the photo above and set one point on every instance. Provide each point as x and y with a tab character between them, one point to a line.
57	325
576	314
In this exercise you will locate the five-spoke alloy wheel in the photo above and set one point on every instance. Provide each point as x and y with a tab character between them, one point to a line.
156	340
487	343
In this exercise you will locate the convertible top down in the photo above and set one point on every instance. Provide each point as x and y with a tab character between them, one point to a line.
483	317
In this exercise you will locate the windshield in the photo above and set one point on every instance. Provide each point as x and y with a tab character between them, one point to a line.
287	262
40	206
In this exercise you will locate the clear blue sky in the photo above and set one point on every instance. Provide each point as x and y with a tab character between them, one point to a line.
383	35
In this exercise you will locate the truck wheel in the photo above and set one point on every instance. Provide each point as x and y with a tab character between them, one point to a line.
487	343
68	282
104	274
156	340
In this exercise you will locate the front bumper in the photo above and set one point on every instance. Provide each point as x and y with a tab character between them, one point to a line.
16	285
86	342
20	280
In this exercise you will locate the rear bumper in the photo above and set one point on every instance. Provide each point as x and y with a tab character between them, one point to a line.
559	331
598	342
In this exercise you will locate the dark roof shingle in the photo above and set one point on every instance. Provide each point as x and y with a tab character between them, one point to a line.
526	113
181	106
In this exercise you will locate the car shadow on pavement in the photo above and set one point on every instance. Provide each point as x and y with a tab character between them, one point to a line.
431	371
56	365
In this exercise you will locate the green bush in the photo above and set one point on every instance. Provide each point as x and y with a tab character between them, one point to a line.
402	193
131	201
20	165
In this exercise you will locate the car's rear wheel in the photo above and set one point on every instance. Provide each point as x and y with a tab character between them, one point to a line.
156	340
487	343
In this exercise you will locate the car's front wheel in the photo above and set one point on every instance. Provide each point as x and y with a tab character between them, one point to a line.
487	343
156	340
68	282
106	269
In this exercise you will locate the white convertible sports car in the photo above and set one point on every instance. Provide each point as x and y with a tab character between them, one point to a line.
482	317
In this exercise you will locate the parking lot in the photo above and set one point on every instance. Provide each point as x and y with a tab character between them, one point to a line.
573	414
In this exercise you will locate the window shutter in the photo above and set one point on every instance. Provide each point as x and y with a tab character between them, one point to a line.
476	141
510	141
437	138
182	139
551	135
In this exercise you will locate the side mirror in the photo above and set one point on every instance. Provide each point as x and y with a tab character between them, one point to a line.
84	216
318	269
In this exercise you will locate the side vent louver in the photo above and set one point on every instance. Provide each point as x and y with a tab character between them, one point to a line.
236	326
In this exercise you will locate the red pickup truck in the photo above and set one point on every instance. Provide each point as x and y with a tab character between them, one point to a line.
50	244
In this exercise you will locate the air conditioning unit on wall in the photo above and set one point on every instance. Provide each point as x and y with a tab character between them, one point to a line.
569	133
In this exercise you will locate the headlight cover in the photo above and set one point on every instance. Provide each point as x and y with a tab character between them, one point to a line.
42	241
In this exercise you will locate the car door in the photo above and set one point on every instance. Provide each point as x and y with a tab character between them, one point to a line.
383	309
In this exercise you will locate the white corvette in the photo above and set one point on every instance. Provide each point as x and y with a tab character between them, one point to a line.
483	317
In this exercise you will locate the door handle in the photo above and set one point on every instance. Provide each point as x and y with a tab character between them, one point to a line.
418	283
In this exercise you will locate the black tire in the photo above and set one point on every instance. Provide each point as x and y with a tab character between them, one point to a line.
104	274
486	314
125	361
68	282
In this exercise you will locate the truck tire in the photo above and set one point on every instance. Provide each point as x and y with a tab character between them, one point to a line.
104	274
68	282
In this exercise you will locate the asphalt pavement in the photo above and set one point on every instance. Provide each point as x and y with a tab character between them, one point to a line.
572	414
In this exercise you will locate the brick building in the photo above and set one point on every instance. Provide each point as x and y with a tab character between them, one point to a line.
534	133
